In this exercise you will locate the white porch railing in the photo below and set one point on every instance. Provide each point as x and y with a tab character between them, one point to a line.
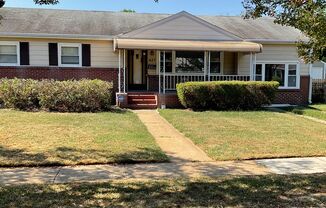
229	78
171	80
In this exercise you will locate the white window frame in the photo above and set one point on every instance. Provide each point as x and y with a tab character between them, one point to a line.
206	65
78	45
221	63
263	63
12	43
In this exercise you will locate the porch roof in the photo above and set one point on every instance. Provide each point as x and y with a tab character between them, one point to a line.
188	45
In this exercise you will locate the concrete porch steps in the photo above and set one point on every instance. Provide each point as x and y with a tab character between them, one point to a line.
142	100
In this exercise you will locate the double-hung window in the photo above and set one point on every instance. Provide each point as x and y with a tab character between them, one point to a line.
9	53
287	74
70	55
215	62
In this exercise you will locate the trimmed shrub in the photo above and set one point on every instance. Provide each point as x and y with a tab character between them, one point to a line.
226	95
19	94
63	96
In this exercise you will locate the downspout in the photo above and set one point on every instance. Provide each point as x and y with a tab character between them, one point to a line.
124	70
119	75
310	84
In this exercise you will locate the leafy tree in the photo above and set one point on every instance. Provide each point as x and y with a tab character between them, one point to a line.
128	11
40	2
309	16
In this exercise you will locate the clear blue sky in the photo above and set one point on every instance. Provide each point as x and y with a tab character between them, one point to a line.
209	7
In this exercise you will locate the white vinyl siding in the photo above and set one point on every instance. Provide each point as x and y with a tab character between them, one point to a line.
102	54
181	28
243	64
282	53
273	54
39	53
230	63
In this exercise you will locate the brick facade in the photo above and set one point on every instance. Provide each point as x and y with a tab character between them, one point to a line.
300	96
61	73
295	97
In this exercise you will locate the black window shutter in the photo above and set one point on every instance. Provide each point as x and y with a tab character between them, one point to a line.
24	53
86	54
53	54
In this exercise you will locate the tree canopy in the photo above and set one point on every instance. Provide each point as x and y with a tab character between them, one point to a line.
128	11
40	2
309	16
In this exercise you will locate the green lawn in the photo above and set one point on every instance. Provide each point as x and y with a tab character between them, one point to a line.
250	135
41	138
256	191
316	111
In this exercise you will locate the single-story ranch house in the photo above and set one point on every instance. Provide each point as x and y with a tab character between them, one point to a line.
154	52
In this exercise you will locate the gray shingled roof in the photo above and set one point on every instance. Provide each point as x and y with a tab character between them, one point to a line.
73	22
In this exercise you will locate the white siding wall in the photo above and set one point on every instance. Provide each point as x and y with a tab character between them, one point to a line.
230	63
273	53
102	54
181	28
39	53
243	64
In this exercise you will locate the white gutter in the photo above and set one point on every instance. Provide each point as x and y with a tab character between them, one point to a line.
56	36
271	41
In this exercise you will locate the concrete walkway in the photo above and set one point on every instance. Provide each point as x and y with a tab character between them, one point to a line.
295	165
102	173
175	145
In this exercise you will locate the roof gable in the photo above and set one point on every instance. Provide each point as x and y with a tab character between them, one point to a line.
181	26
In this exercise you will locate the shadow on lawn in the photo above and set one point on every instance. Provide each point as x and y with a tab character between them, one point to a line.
72	156
258	191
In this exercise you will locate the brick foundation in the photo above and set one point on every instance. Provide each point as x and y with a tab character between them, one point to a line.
300	96
170	100
295	97
153	81
61	73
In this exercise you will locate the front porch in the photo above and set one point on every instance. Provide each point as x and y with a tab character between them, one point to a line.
148	78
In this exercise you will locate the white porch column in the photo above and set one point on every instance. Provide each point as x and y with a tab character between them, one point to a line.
164	72
251	67
254	66
119	75
209	66
159	71
124	71
205	64
310	84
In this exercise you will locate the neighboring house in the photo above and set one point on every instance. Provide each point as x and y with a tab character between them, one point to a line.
153	51
318	70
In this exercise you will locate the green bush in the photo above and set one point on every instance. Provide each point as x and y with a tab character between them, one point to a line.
19	93
63	96
226	95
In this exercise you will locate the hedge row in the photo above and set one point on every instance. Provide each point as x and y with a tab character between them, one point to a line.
226	95
62	96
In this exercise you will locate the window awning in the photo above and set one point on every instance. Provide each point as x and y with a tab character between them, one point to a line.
231	46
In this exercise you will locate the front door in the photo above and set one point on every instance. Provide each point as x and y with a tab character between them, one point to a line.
137	72
137	75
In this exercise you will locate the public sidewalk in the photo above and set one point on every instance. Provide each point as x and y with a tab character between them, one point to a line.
101	173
